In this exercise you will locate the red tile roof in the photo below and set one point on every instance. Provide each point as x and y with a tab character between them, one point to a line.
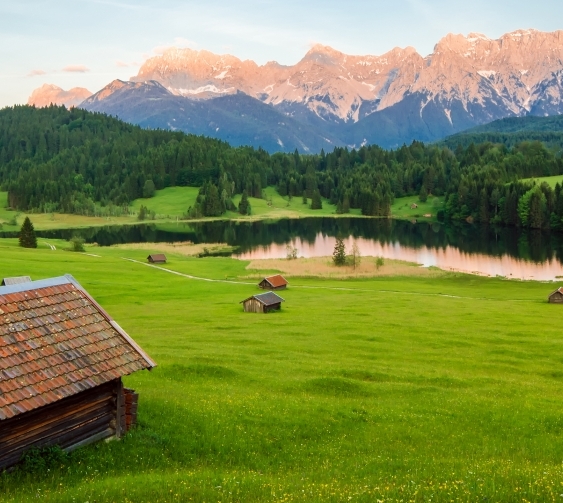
56	341
276	281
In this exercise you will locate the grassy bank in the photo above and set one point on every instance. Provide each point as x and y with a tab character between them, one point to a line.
171	204
398	388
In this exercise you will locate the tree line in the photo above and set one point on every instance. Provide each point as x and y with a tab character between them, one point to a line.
74	161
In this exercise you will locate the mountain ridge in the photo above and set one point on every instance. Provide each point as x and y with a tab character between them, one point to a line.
390	99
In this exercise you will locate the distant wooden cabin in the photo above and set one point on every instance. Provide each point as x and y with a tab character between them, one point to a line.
277	282
16	280
262	303
157	258
62	358
414	206
556	297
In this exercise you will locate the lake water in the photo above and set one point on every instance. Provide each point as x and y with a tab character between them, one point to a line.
489	251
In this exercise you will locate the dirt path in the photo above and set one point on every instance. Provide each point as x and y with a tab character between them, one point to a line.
334	288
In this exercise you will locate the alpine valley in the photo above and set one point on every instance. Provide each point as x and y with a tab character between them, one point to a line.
332	99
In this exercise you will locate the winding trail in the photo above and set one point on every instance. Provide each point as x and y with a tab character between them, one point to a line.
53	247
335	288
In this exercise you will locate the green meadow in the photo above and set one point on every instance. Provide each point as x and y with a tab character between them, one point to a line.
552	181
390	389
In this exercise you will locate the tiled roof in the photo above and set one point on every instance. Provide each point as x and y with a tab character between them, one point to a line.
276	281
56	341
268	298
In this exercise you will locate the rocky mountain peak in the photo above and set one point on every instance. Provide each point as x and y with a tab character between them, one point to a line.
51	94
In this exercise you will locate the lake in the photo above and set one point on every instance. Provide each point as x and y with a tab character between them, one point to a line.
491	251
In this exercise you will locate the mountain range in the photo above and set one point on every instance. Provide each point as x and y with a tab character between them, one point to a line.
332	99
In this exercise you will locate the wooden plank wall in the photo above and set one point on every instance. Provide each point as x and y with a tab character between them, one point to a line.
253	306
70	421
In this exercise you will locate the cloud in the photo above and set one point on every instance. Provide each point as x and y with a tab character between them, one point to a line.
36	73
76	69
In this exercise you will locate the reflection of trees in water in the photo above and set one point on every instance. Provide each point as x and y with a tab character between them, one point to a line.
532	245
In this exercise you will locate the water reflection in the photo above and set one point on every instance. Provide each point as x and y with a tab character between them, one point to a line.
492	251
448	258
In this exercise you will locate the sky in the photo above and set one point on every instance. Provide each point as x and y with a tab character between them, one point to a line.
89	43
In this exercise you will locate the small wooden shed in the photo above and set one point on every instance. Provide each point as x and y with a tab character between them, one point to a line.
277	282
62	358
414	206
556	297
262	303
157	258
16	280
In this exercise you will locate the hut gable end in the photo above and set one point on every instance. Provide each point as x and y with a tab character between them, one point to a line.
556	297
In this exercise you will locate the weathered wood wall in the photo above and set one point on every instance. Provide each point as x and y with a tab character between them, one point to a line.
87	416
253	306
556	298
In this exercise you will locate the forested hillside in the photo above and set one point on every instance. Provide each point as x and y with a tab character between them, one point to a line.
511	131
53	159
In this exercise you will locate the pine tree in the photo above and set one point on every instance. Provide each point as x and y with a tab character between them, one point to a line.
423	195
244	205
316	201
346	204
339	253
28	239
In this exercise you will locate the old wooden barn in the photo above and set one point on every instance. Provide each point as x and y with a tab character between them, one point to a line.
277	282
262	303
556	297
62	358
157	258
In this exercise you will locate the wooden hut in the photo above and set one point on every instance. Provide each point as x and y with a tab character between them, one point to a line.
414	206
277	282
556	297
16	280
157	258
62	358
262	303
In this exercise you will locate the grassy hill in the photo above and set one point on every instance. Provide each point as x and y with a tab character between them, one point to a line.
396	388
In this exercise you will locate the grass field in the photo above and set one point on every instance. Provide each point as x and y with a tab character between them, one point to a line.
401	207
172	203
398	388
552	181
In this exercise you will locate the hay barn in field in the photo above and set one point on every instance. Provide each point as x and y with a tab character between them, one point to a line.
262	303
62	358
277	282
556	297
157	258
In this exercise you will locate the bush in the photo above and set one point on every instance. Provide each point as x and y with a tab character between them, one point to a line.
76	243
39	460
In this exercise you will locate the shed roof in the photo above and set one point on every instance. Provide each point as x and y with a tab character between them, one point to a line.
560	290
157	257
16	280
56	341
268	298
276	281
